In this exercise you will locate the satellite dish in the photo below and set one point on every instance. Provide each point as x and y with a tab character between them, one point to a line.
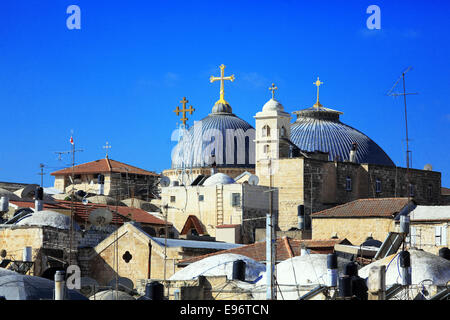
253	180
428	167
100	217
164	182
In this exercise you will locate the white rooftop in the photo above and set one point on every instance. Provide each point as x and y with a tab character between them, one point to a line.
430	213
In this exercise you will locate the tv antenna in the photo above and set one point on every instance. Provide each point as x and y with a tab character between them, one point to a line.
404	94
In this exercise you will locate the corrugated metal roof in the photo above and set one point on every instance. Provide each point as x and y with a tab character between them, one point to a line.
195	244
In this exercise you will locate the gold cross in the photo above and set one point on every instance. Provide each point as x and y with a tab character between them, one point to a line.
318	83
184	110
107	147
273	88
222	78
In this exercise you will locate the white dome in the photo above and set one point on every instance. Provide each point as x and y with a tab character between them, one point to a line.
47	218
424	266
273	105
218	178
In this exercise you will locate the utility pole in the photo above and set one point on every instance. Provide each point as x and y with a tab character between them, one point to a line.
271	293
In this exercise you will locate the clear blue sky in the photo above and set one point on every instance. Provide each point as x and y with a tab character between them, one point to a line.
119	78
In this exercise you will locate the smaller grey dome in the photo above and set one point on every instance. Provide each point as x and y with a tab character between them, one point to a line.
221	107
273	105
218	178
47	218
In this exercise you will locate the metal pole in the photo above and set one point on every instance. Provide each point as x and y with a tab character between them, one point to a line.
270	242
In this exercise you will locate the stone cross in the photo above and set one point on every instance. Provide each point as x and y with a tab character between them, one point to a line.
273	88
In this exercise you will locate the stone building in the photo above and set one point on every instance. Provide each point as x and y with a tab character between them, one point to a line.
121	180
132	253
361	218
319	162
220	201
429	228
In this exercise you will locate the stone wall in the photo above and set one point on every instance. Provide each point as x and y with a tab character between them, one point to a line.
356	230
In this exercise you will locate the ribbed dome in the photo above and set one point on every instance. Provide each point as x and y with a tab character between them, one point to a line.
194	149
320	129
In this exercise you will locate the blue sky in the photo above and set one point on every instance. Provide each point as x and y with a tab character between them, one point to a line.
119	78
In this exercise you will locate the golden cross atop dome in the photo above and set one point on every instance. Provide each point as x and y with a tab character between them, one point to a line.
221	79
318	83
184	110
273	88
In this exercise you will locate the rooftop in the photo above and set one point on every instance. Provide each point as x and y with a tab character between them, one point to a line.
377	207
286	248
104	166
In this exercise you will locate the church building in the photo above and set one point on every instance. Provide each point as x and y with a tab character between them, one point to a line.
314	163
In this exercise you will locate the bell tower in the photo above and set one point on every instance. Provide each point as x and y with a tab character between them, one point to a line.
273	129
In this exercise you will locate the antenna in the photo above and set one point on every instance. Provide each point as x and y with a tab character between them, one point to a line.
404	94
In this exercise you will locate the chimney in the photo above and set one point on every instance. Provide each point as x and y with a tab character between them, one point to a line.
213	165
353	152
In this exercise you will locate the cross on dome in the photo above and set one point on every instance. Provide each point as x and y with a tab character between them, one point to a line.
222	78
184	110
273	89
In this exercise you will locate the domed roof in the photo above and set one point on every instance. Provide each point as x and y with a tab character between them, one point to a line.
111	295
212	135
218	178
47	218
319	129
273	105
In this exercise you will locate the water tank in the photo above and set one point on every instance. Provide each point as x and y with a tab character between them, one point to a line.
301	217
404	224
359	288
4	204
332	270
154	290
39	193
345	287
444	253
27	254
239	270
351	269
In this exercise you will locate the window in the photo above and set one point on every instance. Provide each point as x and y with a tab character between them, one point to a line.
172	198
283	131
266	148
348	184
440	235
235	199
430	192
266	131
412	236
378	186
201	197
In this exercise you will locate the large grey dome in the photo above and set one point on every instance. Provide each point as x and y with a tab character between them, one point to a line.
320	129
221	133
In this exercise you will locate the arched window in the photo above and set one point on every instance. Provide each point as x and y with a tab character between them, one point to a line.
348	184
266	131
283	132
266	148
